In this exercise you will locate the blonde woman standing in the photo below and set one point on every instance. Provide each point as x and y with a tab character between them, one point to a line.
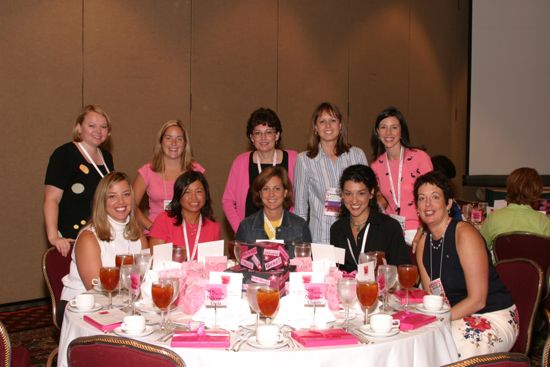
172	156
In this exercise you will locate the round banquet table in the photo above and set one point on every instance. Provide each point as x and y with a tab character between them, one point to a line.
430	345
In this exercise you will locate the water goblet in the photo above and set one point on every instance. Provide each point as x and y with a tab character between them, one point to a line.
178	254
162	292
268	301
387	277
408	275
135	285
175	295
302	249
251	291
367	293
109	277
347	292
142	262
380	257
125	281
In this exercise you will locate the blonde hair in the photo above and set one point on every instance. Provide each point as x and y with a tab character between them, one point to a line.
99	211
89	108
186	162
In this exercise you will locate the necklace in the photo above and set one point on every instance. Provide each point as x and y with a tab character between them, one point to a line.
438	243
357	226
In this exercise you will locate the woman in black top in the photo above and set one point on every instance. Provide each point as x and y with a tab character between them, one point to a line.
454	262
361	227
73	173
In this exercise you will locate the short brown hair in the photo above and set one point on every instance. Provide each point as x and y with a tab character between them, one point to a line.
266	175
523	186
89	108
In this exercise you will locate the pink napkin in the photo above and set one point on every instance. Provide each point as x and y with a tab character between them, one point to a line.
201	338
323	338
412	320
415	295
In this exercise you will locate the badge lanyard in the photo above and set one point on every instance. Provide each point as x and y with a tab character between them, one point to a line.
270	226
166	200
258	161
93	162
196	238
396	197
362	244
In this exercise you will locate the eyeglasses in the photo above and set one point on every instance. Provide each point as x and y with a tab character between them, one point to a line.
267	133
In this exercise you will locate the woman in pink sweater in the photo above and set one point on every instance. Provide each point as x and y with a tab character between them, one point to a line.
264	131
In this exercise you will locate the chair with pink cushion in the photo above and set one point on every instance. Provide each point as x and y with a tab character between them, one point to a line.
494	360
107	350
15	357
523	279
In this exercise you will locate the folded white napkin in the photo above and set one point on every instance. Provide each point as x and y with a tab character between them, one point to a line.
293	312
231	317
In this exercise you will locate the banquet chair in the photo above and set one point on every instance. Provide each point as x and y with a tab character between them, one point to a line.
526	245
15	357
107	350
546	353
54	267
523	279
494	360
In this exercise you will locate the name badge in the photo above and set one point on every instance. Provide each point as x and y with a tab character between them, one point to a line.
333	202
167	204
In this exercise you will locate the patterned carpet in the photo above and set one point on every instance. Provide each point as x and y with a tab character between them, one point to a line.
32	328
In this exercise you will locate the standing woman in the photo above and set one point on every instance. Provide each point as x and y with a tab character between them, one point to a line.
172	156
361	227
397	164
74	171
272	191
318	171
264	130
189	219
454	262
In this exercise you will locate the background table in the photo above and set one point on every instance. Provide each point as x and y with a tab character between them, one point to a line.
431	345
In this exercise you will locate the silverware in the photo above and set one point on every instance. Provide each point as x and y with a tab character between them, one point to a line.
362	338
164	335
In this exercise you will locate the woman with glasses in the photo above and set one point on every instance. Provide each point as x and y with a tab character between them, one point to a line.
272	191
264	131
171	157
319	168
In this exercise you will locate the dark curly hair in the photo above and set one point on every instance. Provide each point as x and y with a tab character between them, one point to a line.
435	178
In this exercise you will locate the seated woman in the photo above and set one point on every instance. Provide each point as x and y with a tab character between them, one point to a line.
113	229
189	220
523	189
272	191
361	227
454	259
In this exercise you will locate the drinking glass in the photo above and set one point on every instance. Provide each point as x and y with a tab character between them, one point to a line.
268	301
380	257
347	291
175	295
302	249
367	293
387	277
408	275
124	259
109	277
237	251
178	254
125	281
135	285
142	262
251	291
162	292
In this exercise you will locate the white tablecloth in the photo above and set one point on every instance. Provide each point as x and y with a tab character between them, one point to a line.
431	345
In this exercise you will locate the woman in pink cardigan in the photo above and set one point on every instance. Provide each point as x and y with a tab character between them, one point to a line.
264	131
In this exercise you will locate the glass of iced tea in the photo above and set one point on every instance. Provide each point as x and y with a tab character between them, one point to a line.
109	278
268	301
124	259
408	276
162	292
367	294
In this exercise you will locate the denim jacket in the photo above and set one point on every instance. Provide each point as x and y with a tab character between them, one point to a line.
292	229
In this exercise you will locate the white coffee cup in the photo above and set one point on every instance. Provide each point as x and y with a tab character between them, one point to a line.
133	324
83	302
382	323
268	335
432	302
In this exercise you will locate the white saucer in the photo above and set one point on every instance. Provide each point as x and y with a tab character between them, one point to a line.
445	308
369	332
145	308
148	330
96	307
253	343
